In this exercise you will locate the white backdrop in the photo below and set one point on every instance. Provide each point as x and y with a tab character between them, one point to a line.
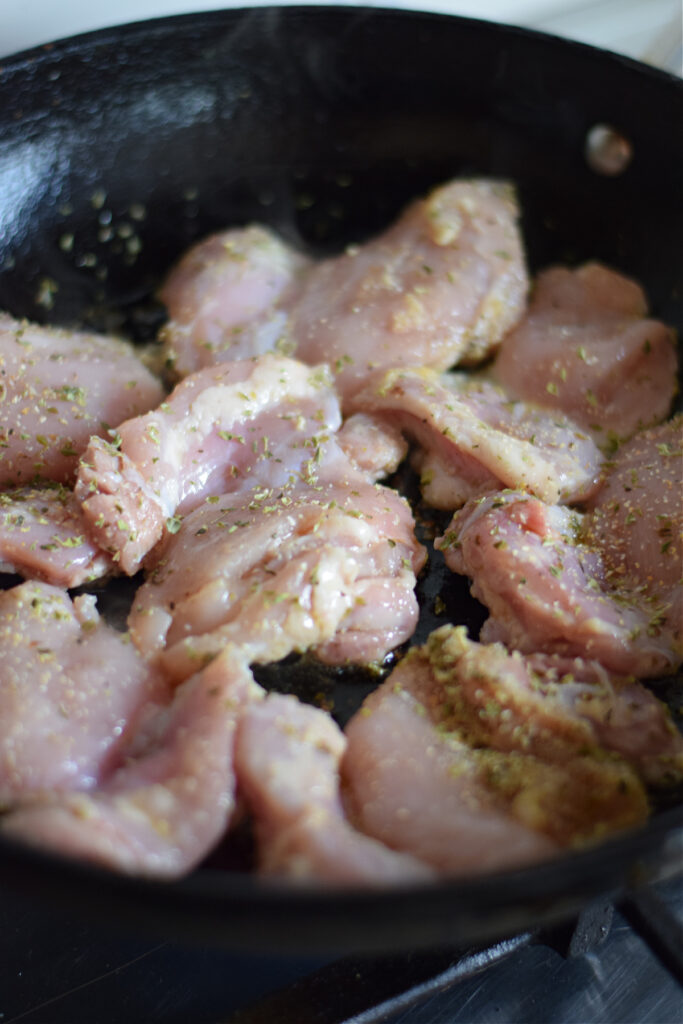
646	29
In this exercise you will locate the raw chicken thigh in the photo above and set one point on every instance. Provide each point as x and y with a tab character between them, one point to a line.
636	518
287	762
169	803
595	354
472	439
330	567
225	428
547	591
603	585
552	707
221	297
58	388
414	782
442	285
44	536
71	689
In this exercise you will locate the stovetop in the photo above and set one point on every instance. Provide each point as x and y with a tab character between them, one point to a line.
57	970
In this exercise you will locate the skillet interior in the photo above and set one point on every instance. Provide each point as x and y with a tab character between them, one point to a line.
119	148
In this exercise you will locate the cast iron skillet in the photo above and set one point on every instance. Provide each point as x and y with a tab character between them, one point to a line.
119	148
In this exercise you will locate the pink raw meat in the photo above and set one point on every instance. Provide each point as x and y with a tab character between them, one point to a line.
330	567
287	763
57	388
225	428
413	782
221	299
44	535
71	689
164	809
472	439
586	347
442	285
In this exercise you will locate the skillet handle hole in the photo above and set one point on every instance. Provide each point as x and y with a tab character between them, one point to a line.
607	150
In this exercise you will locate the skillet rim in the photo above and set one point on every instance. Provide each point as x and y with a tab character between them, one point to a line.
242	911
63	45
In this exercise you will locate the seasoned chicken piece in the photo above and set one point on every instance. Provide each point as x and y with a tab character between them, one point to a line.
221	299
636	518
549	706
287	765
169	803
474	440
587	348
43	535
413	782
441	286
57	388
330	567
226	428
374	446
547	590
71	688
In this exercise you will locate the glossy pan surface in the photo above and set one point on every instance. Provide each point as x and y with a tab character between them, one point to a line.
120	148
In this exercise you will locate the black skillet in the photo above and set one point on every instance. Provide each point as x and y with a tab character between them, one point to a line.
119	148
